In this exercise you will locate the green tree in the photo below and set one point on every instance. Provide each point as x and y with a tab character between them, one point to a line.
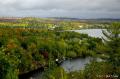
97	70
112	44
8	66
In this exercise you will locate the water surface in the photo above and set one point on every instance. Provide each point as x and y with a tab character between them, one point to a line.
75	64
91	32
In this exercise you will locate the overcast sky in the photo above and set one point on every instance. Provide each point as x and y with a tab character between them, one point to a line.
61	8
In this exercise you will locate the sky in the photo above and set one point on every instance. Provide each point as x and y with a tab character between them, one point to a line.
61	8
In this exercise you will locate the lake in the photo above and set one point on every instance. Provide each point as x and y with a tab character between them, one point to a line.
91	32
75	64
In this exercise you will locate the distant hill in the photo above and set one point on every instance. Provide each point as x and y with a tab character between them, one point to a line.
9	19
64	18
97	20
87	20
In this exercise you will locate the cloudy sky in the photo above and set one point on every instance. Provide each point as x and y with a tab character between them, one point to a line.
61	8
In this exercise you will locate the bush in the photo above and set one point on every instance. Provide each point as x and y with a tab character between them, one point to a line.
97	70
56	73
8	67
71	54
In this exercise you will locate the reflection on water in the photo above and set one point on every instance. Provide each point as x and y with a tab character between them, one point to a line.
91	32
78	64
75	64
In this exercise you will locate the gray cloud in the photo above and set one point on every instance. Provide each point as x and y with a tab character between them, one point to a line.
68	8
